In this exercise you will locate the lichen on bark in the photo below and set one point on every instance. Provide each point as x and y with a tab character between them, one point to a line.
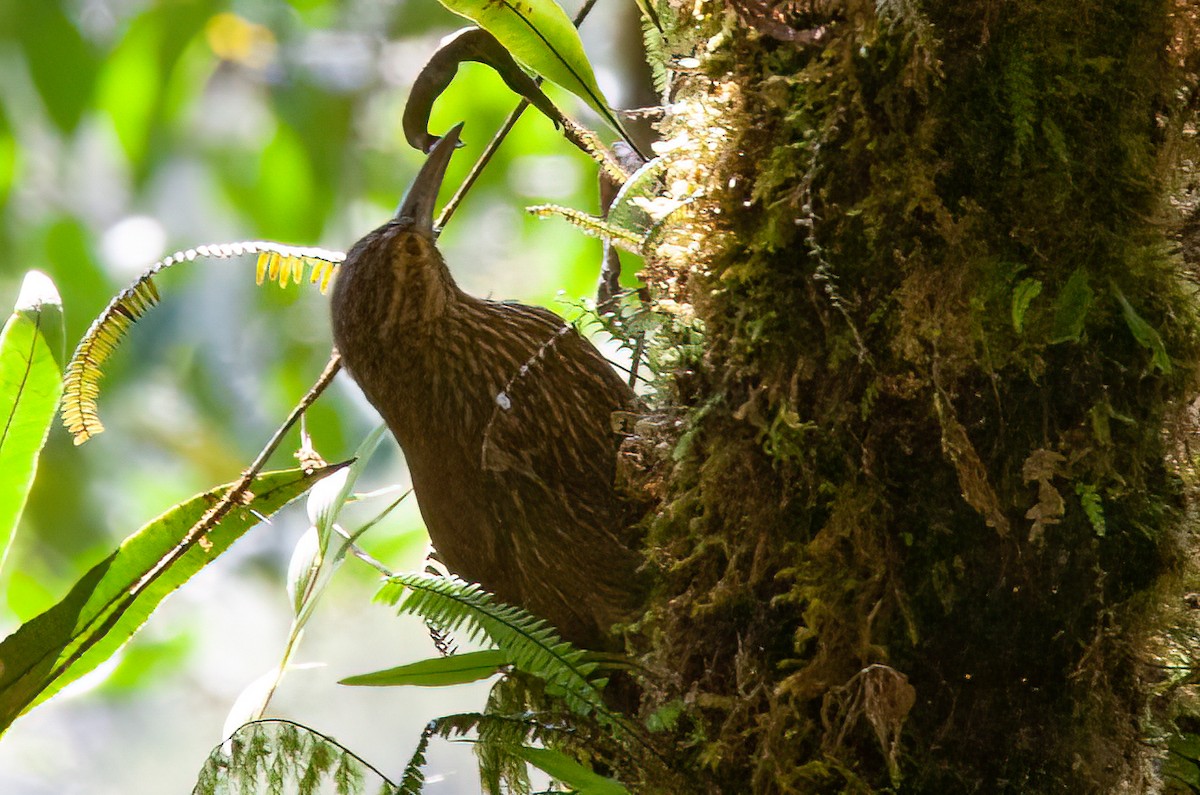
920	518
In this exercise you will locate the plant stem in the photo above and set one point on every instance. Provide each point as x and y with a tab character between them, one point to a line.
208	521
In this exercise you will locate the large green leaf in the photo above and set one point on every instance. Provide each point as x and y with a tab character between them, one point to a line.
455	669
31	355
539	34
109	603
567	771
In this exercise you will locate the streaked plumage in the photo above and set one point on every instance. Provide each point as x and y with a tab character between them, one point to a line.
504	415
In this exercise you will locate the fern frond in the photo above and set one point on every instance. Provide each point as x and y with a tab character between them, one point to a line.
532	646
656	55
413	780
499	737
81	385
590	224
266	756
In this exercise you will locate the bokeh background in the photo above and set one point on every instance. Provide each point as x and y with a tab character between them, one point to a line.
131	129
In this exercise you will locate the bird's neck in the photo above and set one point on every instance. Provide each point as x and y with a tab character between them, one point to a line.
421	299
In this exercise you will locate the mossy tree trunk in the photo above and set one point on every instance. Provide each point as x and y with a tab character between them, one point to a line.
925	511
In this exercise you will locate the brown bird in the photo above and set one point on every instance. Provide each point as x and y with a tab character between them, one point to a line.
504	413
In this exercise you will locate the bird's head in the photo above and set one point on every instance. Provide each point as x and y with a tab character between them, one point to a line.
394	277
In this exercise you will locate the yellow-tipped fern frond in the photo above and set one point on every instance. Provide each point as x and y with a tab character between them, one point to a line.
81	385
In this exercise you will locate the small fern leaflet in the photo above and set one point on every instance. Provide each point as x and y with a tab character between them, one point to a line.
81	385
592	225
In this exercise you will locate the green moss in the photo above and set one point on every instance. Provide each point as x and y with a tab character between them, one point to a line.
907	451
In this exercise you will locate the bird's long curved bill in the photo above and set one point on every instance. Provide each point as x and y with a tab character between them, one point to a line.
421	199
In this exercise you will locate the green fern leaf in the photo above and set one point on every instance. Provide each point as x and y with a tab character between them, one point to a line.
413	780
501	737
530	644
656	54
81	385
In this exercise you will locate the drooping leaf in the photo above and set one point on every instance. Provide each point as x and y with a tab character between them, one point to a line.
539	34
500	736
567	771
412	782
276	756
457	669
321	550
81	386
109	603
469	44
1146	335
31	355
326	502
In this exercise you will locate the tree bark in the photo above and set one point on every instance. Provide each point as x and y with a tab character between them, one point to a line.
923	525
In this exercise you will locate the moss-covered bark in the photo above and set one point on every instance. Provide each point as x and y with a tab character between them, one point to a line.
919	522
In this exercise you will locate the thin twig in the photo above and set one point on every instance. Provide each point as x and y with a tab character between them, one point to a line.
480	164
235	494
116	608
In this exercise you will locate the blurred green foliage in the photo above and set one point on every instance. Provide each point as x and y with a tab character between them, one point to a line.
131	129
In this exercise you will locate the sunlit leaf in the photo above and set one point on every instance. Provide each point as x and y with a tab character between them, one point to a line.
539	34
109	603
455	669
31	355
321	550
286	190
8	156
130	86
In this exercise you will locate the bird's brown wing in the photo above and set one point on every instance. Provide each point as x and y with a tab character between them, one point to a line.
549	454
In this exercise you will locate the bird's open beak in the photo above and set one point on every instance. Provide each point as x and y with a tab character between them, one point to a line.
419	203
